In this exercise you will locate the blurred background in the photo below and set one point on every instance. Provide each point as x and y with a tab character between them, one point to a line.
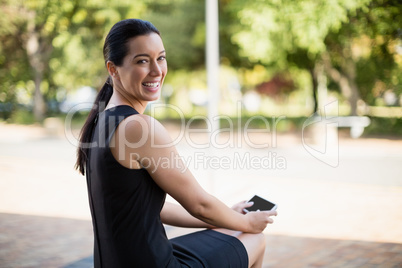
275	56
278	59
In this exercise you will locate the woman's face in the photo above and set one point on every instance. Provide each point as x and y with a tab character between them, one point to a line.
144	68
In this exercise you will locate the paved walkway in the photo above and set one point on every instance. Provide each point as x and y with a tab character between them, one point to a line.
344	216
37	241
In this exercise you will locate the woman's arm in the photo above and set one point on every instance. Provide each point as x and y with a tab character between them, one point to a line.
143	139
176	215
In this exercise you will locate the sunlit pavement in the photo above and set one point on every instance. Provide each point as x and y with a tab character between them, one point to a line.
337	208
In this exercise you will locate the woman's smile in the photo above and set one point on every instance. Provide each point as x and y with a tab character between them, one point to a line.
152	86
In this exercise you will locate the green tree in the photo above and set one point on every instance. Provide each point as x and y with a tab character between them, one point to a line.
182	25
362	57
285	33
14	65
39	22
55	44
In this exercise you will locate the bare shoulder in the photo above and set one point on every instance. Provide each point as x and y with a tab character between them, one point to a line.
142	129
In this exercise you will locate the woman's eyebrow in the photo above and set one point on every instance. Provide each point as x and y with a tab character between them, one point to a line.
141	55
146	55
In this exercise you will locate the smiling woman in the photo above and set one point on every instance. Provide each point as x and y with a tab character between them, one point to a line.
127	194
140	77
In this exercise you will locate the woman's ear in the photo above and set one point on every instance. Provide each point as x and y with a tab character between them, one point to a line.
112	69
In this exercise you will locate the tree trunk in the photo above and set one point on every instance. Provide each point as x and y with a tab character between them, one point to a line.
38	45
349	68
39	104
345	79
35	57
314	81
354	97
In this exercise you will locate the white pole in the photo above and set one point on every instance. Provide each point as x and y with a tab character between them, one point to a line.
212	51
212	48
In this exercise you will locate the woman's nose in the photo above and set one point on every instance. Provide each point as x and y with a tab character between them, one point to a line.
156	69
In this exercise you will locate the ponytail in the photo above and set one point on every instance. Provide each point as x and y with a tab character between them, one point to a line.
102	99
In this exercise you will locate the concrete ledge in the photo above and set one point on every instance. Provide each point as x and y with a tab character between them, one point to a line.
356	124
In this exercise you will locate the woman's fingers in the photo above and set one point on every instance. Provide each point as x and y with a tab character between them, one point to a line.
241	205
271	212
260	219
247	204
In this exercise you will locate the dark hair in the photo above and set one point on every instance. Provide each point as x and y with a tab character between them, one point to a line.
114	50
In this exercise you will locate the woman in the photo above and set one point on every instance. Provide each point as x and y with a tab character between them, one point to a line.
119	150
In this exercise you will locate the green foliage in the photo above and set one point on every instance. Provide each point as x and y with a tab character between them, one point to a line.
22	116
370	38
182	26
384	126
13	61
258	39
272	29
360	37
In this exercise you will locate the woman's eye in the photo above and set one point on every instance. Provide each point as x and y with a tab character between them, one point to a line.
142	61
162	58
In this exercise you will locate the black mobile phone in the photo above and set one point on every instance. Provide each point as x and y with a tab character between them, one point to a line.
260	204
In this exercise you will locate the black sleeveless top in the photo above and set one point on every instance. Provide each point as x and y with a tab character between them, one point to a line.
125	205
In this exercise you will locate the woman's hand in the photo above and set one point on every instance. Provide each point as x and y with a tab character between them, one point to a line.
239	207
258	220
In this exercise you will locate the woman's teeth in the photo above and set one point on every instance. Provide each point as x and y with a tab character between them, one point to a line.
151	84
